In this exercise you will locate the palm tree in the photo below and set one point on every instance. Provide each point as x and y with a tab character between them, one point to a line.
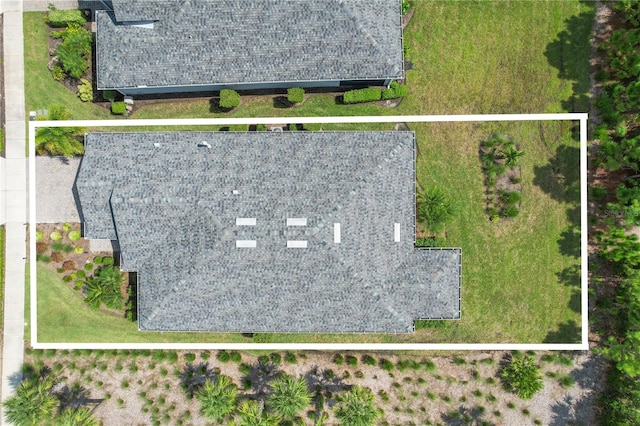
511	155
250	413
104	288
357	408
32	404
217	398
59	140
434	208
289	396
75	417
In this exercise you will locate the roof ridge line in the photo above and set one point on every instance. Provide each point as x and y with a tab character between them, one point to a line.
349	11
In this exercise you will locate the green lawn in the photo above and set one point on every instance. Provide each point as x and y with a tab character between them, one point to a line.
519	277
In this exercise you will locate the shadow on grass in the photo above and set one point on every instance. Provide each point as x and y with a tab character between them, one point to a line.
569	53
568	332
214	106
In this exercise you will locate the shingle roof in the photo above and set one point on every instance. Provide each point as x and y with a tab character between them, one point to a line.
197	42
173	207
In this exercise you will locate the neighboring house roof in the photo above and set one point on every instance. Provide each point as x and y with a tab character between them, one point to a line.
226	42
179	210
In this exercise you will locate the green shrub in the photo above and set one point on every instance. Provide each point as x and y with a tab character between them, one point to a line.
368	360
261	127
79	250
236	357
63	18
39	235
74	50
370	94
522	376
189	357
386	365
263	359
406	6
85	91
510	211
295	95
290	358
58	73
118	108
276	358
223	356
338	359
510	197
431	242
229	99
395	90
74	235
55	236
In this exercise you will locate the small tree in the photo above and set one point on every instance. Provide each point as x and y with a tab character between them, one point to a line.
59	140
218	398
434	208
229	99
522	376
105	288
295	95
289	396
32	404
357	408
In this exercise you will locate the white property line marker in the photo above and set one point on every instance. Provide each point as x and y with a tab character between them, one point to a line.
581	117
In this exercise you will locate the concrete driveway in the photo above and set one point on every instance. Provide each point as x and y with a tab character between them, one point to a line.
55	201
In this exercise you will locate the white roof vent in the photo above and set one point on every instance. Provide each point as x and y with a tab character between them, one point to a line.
204	144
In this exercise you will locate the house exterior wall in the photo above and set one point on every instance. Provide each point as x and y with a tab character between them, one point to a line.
137	91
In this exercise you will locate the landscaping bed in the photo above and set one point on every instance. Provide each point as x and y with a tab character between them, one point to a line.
148	387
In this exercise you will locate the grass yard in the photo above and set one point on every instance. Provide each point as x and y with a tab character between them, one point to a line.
520	277
41	90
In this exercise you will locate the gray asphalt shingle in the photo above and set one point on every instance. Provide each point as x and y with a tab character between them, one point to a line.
198	42
172	206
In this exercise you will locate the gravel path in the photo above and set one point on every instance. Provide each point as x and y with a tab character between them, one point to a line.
55	201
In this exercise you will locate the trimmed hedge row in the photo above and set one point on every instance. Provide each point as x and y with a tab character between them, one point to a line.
371	94
64	18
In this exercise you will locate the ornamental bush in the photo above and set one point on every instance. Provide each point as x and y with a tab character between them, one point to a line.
522	376
74	50
369	94
64	18
229	99
118	108
395	90
85	91
295	95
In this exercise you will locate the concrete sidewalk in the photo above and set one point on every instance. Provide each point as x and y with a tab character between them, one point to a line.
15	197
